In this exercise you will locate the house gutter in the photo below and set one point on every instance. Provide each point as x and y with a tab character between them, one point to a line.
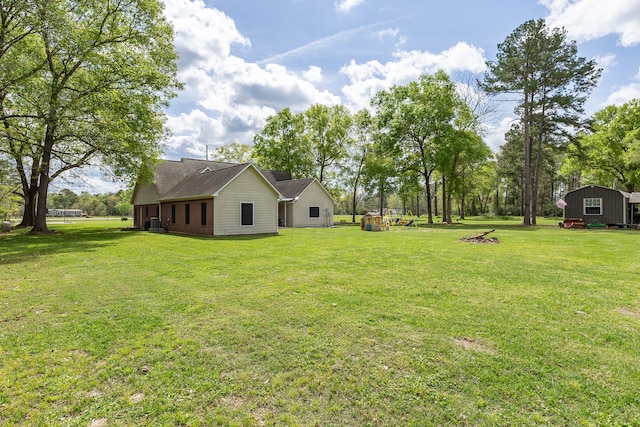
187	198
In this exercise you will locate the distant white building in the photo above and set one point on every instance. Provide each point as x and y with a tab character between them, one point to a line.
64	212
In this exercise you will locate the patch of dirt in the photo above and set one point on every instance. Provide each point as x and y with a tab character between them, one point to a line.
137	398
100	422
95	394
627	312
469	344
232	401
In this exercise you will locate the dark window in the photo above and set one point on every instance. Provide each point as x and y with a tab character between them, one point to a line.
187	213
146	211
314	212
173	214
246	214
158	210
203	214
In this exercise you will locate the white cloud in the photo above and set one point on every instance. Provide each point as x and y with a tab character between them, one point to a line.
606	62
204	36
347	5
624	94
370	77
229	99
590	19
193	129
495	133
388	33
313	74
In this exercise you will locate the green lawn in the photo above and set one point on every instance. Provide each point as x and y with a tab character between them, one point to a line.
327	327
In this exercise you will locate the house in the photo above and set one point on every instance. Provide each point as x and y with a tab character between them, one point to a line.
217	198
596	204
306	203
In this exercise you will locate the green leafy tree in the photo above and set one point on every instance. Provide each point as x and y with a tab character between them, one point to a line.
486	187
9	189
543	68
123	206
357	153
234	153
380	169
64	199
460	156
327	133
281	145
92	92
611	152
418	119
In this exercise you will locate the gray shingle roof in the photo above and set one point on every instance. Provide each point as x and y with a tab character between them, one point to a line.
203	184
192	178
293	187
170	172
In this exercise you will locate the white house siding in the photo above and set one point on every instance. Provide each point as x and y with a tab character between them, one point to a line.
315	195
146	194
248	187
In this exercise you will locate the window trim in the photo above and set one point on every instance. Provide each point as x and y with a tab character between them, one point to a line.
314	216
587	204
253	214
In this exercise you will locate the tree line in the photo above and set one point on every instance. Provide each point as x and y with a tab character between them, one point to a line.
104	204
85	82
420	145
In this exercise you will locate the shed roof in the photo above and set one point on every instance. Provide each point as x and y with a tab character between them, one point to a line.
623	193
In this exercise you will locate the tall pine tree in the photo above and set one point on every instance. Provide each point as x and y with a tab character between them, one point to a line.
540	65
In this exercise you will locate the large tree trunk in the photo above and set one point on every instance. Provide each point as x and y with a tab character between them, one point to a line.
354	202
429	207
381	198
40	225
29	213
435	197
445	213
538	169
527	161
536	182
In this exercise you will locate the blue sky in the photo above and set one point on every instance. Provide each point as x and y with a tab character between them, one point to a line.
242	61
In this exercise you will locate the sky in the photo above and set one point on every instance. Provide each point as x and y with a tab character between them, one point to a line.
244	60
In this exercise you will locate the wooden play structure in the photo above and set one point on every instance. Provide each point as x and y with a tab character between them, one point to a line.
373	221
405	220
